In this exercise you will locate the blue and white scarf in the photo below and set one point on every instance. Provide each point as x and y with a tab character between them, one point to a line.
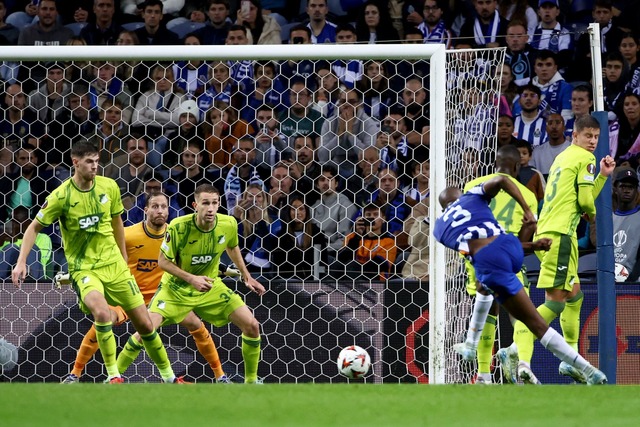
480	37
439	34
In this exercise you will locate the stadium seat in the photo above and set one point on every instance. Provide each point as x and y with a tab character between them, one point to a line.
132	26
182	30
588	267
76	27
532	264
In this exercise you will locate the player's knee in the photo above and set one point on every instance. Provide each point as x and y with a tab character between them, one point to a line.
252	328
144	326
102	315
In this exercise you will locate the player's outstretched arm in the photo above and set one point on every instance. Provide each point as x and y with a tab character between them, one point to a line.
250	282
28	240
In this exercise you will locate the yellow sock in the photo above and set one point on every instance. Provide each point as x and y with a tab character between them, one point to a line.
107	343
550	310
251	357
570	320
128	354
155	349
485	345
87	349
524	340
208	349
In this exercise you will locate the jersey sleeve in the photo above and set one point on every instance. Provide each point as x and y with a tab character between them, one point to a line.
233	233
168	247
50	210
587	170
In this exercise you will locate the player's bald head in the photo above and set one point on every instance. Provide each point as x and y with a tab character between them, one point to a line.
448	196
508	159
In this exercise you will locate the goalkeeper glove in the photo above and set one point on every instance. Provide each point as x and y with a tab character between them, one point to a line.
229	270
61	278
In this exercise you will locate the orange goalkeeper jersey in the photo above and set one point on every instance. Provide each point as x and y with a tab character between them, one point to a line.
143	248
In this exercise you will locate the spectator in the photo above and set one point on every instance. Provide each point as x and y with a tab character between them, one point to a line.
47	31
25	186
551	35
414	99
373	24
520	55
347	132
544	155
49	97
519	10
556	92
264	29
281	185
581	105
487	28
105	30
220	87
392	142
222	131
325	97
362	184
191	76
300	118
271	144
255	229
304	69
18	120
322	31
333	211
370	250
38	259
175	141
434	28
215	32
268	89
419	190
241	71
530	124
348	72
153	182
528	175
299	240
629	48
136	7
625	138
129	169
408	68
154	32
109	133
77	71
193	173
242	173
411	13
106	84
8	33
156	111
374	86
133	73
303	167
508	89
417	228
74	11
615	78
610	36
626	222
472	123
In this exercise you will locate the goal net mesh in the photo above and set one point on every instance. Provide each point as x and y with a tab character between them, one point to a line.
299	150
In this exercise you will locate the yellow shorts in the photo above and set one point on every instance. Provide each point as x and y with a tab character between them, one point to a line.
114	281
559	265
214	306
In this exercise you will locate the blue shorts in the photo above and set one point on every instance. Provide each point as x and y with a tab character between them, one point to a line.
497	264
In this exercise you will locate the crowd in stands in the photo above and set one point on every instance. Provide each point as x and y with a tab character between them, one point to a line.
322	163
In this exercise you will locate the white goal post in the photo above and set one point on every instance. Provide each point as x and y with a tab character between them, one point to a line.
443	116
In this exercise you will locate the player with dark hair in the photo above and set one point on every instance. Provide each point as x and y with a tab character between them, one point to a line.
190	256
143	246
89	209
571	192
468	226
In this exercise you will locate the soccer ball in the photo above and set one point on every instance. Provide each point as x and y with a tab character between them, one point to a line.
621	273
353	362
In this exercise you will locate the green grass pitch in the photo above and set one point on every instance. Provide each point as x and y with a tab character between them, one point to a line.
346	405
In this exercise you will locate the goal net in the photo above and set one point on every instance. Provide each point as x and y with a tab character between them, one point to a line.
301	142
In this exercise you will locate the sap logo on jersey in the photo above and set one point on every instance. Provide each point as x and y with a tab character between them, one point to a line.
89	221
201	259
147	264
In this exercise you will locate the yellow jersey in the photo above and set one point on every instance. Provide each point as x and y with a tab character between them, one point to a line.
143	248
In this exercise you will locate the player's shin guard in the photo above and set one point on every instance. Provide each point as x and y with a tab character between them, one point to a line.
156	351
570	320
208	349
107	344
128	354
485	346
87	349
251	357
